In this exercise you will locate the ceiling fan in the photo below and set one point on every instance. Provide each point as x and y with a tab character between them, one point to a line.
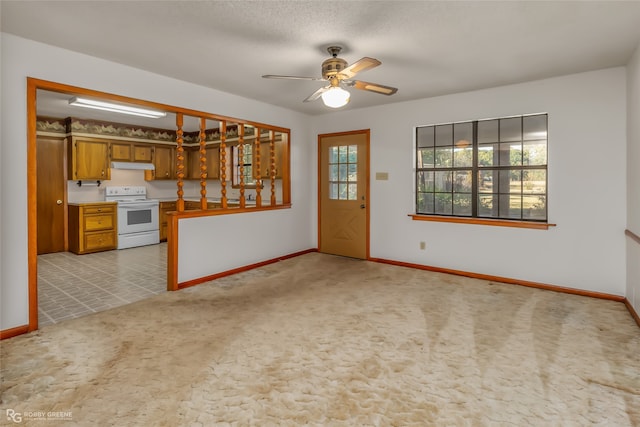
338	73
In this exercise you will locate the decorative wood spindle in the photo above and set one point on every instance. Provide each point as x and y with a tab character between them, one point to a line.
223	164
257	172
180	162
203	164
272	165
241	163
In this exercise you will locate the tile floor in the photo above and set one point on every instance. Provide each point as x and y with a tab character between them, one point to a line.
71	286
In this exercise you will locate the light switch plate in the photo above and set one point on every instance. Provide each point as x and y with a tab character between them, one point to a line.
382	176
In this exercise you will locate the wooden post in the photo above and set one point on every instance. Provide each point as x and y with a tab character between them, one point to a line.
257	172
272	165
241	162
180	162
203	164
223	164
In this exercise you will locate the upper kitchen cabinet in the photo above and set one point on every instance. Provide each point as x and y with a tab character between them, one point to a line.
131	152
142	153
88	158
212	154
164	163
279	147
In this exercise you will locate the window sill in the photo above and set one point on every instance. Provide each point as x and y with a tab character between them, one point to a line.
484	221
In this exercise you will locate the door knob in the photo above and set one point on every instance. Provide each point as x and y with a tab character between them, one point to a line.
362	206
58	202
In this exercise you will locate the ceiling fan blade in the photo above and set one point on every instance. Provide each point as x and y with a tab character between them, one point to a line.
315	95
359	66
373	87
274	76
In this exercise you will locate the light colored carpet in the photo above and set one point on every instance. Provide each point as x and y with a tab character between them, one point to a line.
323	340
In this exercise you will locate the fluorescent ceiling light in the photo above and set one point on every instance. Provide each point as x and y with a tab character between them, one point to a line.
336	97
115	108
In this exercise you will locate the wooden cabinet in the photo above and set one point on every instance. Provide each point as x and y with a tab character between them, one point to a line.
88	158
164	161
142	153
190	205
164	208
121	151
93	227
213	163
265	160
131	152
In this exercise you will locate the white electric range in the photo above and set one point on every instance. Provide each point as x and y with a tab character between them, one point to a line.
138	223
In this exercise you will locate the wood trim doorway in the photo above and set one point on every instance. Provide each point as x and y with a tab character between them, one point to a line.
343	193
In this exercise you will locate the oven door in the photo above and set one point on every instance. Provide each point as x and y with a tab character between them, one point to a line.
137	217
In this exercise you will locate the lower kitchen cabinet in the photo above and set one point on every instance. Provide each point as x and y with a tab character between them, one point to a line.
164	208
93	227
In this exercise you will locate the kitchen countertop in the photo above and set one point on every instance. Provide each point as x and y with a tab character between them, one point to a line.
230	201
97	202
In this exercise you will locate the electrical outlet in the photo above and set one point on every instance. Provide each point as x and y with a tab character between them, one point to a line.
423	245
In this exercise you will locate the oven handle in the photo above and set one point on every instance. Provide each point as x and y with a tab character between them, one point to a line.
138	206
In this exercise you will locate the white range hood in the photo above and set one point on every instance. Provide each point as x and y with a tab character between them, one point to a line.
132	165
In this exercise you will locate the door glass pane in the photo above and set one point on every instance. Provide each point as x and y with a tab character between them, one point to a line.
353	191
353	172
333	191
343	152
333	172
333	154
343	173
353	153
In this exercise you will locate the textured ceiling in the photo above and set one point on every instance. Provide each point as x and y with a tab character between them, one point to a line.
427	48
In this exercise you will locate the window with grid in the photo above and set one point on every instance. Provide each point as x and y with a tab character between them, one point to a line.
343	172
493	168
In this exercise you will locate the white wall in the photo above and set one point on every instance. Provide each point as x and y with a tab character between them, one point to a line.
586	194
633	178
22	58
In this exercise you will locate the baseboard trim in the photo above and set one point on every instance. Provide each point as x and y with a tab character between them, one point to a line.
200	280
632	310
547	287
13	332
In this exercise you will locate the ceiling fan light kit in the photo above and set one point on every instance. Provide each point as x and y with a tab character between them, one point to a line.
337	72
336	97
